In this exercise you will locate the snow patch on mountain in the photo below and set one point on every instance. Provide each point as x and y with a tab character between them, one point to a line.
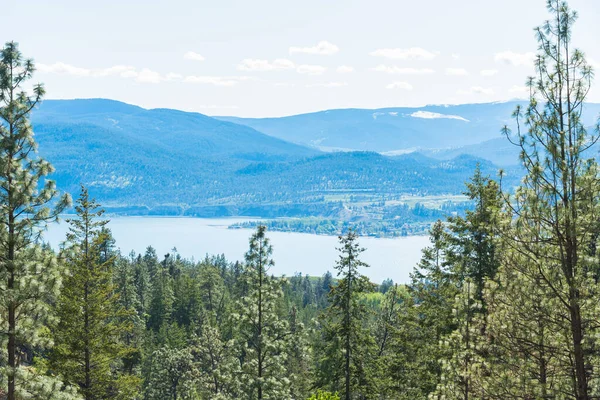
434	115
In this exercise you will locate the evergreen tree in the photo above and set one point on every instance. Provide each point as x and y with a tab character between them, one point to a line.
162	296
172	376
425	317
91	319
299	357
262	333
554	213
217	364
29	277
472	256
347	362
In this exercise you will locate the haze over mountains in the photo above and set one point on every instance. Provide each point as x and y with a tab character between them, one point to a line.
164	161
438	131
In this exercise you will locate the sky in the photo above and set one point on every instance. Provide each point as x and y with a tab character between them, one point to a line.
262	58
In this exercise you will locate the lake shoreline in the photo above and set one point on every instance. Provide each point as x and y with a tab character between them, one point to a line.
303	253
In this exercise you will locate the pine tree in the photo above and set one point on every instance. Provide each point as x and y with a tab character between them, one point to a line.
92	322
261	331
472	256
172	375
555	213
29	277
425	317
348	359
160	310
299	357
217	364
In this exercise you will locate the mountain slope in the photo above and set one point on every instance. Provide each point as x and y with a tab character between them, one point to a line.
163	128
393	129
172	162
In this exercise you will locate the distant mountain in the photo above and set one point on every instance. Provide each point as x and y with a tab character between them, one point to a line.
171	162
191	133
499	151
397	129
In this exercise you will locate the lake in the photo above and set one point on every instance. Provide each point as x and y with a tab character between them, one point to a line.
292	252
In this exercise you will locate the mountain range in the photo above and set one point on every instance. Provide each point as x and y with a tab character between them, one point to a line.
438	131
164	161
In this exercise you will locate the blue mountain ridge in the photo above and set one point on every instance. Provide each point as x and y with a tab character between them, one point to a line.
164	161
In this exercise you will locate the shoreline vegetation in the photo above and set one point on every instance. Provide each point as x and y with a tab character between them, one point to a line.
504	303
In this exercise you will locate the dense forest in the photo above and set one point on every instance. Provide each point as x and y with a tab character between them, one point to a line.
504	303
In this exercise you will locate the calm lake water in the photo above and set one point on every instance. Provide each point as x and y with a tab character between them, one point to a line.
292	252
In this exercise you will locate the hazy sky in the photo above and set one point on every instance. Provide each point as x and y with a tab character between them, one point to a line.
281	57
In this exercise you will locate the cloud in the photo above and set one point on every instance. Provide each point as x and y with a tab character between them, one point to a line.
215	80
311	69
251	64
456	72
433	115
124	71
488	72
516	59
344	69
392	69
190	55
455	56
477	90
171	76
328	84
144	75
148	76
399	85
323	48
413	53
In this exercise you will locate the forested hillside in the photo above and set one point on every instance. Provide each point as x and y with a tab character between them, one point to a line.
188	164
503	304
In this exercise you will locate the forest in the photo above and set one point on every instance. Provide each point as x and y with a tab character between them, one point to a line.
504	303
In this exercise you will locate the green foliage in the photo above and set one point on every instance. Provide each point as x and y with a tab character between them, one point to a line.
30	277
321	395
92	322
172	375
347	361
262	333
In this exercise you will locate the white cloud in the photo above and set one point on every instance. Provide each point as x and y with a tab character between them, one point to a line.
190	55
399	85
413	53
344	69
477	90
214	80
456	72
251	64
456	56
311	69
124	71
148	76
433	115
328	84
323	48
144	75
516	59
393	69
488	72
